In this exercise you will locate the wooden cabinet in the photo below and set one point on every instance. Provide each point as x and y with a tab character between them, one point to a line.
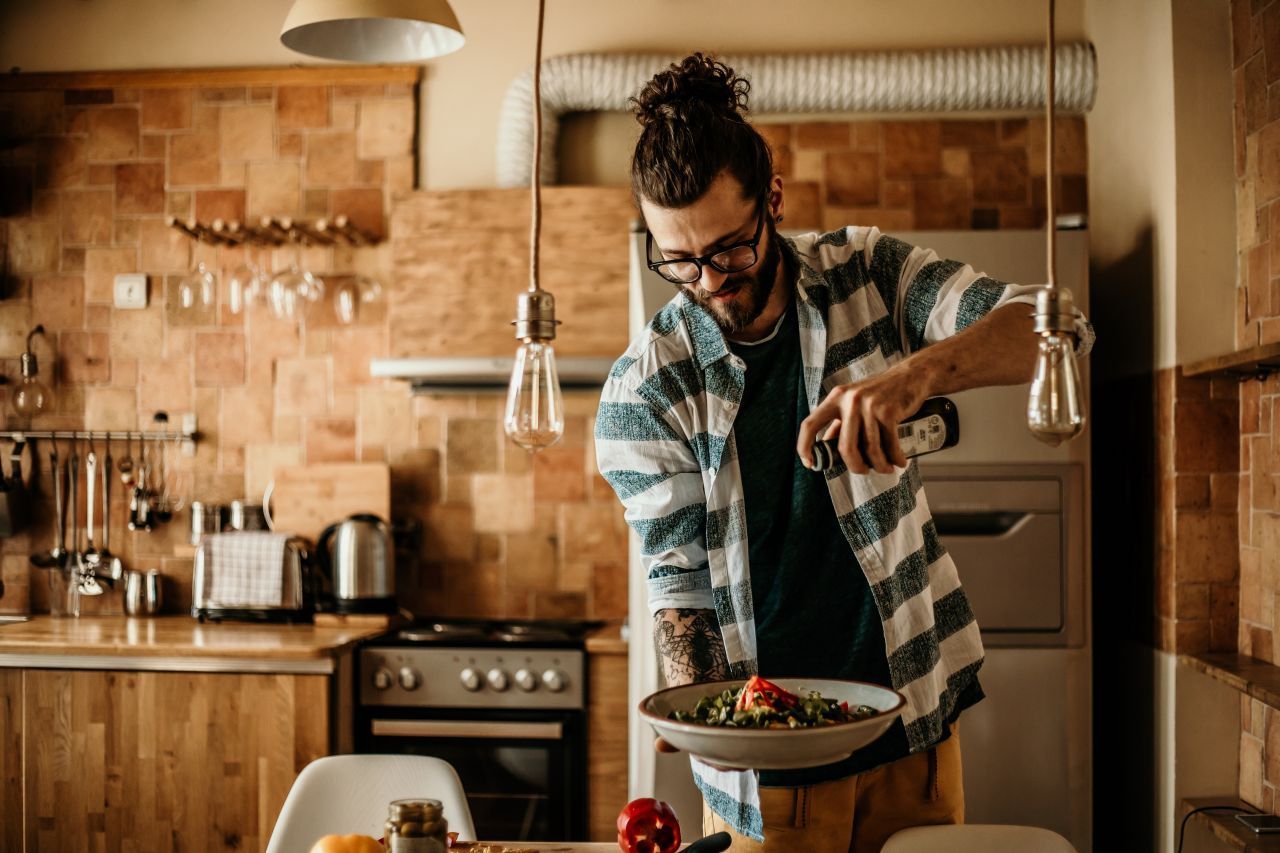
606	741
95	760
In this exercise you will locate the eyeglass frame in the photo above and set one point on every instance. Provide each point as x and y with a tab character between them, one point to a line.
706	259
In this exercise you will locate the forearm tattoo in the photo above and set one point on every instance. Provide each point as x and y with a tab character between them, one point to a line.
690	648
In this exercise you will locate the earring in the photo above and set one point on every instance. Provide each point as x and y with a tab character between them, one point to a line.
779	219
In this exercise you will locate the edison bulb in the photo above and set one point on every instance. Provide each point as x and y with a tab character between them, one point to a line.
535	412
1054	413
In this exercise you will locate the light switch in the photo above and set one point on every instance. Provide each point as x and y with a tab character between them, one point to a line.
131	290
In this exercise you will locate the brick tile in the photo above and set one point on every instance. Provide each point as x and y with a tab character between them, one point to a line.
58	301
828	135
531	559
1192	601
166	109
853	179
356	91
193	159
1191	491
803	205
1207	436
783	158
83	357
955	162
1267	187
504	503
86	216
289	144
386	128
942	203
140	188
970	134
63	161
372	172
32	246
247	132
448	531
302	106
332	440
559	605
113	133
1000	176
111	408
1251	770
331	159
912	149
608	591
165	385
559	474
364	207
228	205
72	260
219	358
222	94
342	116
1206	546
273	190
1192	636
588	532
302	386
471	445
164	249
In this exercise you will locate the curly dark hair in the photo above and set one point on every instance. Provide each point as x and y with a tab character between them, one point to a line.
693	115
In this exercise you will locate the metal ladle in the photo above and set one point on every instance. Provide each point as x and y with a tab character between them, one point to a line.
115	568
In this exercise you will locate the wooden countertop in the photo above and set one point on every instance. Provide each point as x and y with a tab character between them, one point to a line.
173	643
607	639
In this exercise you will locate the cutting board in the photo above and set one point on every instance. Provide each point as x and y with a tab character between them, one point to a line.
308	498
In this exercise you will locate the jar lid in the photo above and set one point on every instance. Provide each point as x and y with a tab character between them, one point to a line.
415	809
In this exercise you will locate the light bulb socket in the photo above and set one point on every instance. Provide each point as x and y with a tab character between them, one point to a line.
1055	312
28	365
535	316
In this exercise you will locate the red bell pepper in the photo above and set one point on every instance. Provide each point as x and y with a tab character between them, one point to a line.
648	826
758	692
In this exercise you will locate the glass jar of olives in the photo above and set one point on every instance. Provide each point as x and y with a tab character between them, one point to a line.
416	826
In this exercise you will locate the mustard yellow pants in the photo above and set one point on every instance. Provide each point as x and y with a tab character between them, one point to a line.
860	813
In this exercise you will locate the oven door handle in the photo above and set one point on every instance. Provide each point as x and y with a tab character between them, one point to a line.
471	730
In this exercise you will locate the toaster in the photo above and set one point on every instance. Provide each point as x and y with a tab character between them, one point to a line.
233	589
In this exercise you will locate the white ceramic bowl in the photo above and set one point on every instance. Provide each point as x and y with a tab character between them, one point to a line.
773	749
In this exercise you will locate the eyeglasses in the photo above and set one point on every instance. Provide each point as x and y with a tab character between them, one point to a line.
730	259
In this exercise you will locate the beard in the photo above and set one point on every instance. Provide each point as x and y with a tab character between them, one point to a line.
752	291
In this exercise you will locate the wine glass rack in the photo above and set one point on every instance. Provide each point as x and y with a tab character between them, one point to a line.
276	231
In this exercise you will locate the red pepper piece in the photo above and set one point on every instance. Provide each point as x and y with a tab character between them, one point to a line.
648	826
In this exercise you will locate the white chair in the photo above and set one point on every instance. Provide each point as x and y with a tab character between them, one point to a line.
977	838
346	794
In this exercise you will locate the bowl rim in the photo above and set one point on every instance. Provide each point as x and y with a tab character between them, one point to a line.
810	730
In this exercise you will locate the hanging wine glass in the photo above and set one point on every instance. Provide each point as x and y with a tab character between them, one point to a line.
346	302
246	286
282	292
370	289
196	289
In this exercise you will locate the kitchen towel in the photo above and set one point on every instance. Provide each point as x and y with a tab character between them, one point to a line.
246	569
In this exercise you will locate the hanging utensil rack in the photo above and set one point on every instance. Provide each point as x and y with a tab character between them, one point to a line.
276	231
187	435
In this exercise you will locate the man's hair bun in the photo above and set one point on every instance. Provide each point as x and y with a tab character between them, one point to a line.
697	86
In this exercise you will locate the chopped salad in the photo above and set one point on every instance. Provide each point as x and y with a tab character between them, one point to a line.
761	704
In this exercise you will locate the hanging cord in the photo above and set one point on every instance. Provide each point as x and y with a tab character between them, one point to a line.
1183	828
534	237
1051	218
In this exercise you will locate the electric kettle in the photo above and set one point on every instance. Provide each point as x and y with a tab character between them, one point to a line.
357	557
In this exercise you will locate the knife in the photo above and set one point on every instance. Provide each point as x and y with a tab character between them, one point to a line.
711	844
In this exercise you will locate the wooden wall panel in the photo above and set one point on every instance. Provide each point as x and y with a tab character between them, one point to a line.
10	759
461	257
606	744
137	761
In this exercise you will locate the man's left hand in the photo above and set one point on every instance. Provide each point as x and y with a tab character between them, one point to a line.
866	415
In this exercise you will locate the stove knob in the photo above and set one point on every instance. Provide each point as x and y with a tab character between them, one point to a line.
497	679
553	680
471	680
409	679
526	681
383	679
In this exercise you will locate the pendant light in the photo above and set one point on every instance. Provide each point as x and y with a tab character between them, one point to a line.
1055	409
372	30
32	397
534	416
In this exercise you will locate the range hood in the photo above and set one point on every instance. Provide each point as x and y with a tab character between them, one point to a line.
471	375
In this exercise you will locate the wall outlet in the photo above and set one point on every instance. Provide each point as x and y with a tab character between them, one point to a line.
131	290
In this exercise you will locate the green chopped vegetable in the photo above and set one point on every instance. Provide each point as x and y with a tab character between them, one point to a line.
759	704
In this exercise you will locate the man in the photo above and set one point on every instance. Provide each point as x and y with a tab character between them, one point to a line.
755	562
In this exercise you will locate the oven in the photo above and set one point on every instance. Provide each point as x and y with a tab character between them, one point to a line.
507	714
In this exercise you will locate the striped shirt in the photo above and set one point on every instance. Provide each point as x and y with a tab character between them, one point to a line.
664	442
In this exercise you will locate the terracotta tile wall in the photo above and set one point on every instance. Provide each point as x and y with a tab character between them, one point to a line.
927	174
91	175
1255	30
86	178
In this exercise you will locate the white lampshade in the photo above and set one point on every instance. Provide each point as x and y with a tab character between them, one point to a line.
372	30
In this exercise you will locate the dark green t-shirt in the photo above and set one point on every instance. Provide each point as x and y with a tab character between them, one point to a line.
815	613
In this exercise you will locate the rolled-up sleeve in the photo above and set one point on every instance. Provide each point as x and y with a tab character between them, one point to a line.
656	475
930	299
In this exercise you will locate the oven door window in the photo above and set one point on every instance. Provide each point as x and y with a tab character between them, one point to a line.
522	777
